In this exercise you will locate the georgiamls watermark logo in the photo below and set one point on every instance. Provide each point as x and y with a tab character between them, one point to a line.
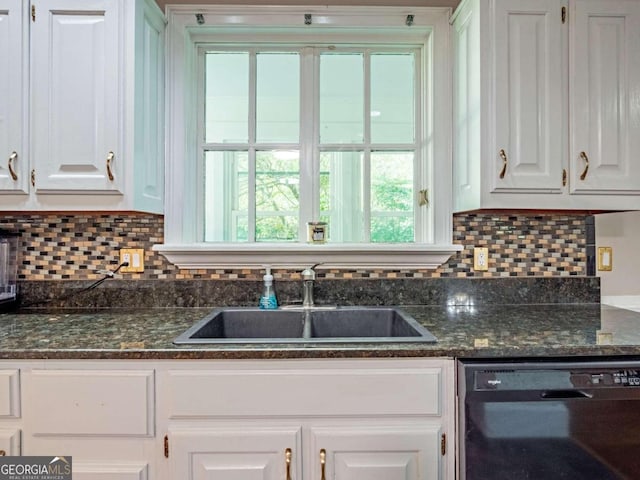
35	468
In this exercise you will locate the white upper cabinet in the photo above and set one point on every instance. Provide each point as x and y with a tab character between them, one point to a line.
13	96
543	90
529	114
95	123
76	137
605	96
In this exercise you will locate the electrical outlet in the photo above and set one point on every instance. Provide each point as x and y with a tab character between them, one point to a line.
605	259
134	257
481	258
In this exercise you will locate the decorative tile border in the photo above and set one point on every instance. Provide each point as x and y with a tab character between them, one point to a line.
77	246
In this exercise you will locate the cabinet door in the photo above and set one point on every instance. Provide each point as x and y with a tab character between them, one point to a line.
374	453
467	107
10	393
13	92
148	170
9	442
242	453
77	80
605	88
529	84
112	471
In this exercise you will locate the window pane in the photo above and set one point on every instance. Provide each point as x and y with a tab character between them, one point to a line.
278	97
392	98
226	200
341	198
226	97
365	195
341	98
392	197
277	195
392	229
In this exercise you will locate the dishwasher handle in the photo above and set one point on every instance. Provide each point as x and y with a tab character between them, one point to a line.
561	394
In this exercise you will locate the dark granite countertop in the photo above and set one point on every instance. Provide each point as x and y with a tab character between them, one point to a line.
488	331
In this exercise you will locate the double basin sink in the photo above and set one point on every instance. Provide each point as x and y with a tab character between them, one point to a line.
306	325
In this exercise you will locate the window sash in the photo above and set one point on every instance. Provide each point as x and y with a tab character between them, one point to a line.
309	146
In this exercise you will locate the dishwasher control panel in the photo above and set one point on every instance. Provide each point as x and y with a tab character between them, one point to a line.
614	378
513	380
627	377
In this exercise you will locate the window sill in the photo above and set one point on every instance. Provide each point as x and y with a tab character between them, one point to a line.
346	256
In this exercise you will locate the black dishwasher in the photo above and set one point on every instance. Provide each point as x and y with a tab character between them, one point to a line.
549	420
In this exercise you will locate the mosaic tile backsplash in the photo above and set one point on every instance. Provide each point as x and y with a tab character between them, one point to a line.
77	246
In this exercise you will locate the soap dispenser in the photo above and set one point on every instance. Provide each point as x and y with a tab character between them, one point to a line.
268	299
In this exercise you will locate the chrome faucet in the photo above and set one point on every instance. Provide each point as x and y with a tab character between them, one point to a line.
308	277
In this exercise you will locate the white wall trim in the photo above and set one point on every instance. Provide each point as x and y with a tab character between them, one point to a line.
294	255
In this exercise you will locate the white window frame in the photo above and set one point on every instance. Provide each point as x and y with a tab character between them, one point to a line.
430	28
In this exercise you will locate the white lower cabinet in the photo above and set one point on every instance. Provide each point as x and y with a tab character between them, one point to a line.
9	441
363	419
230	452
375	452
102	414
346	450
9	393
10	416
110	472
309	419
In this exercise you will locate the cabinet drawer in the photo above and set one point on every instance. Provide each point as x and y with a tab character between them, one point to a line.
9	393
307	390
91	402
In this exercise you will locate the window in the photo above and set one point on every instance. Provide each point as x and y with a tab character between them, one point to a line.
354	170
273	124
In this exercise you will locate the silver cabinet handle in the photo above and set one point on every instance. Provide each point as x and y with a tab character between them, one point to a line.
12	158
503	155
584	157
110	158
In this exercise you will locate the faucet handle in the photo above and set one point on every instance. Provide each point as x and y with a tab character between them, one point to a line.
309	273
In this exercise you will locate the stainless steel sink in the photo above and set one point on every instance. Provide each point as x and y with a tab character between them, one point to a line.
306	325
